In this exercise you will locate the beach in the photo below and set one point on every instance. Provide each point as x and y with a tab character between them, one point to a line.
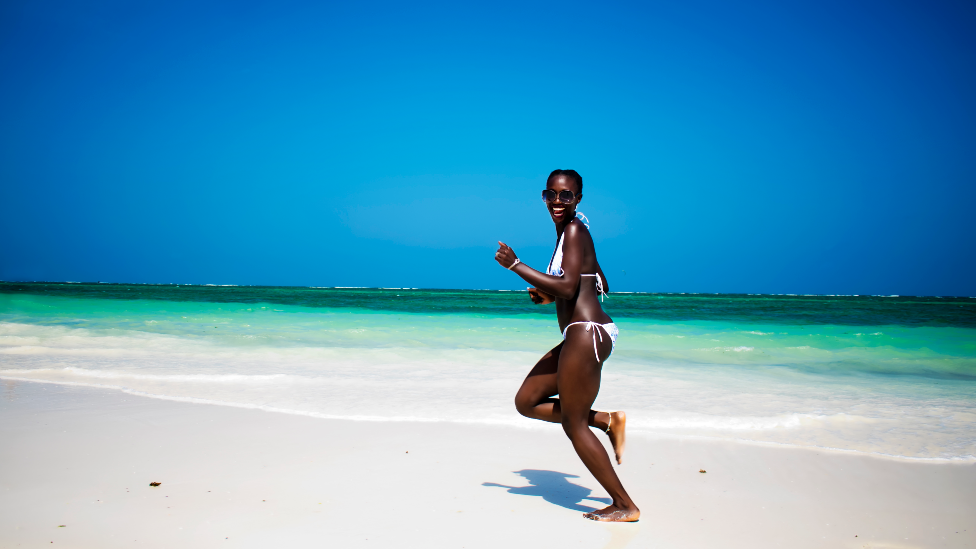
268	268
385	417
84	457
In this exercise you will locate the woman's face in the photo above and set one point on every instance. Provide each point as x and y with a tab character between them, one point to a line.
562	211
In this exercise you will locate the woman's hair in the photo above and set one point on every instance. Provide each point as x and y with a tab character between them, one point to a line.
570	174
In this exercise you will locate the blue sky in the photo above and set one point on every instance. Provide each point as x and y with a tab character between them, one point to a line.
805	147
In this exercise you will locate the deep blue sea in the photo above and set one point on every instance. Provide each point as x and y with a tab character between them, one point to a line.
885	375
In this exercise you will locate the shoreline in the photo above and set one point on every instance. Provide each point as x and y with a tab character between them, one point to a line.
83	457
649	435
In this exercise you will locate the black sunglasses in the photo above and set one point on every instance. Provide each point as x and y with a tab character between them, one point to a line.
550	195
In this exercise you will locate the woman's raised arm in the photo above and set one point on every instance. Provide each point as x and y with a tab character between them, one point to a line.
564	286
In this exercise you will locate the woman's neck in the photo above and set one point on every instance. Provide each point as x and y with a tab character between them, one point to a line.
561	227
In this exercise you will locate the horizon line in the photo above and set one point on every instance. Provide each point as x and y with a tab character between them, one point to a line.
205	285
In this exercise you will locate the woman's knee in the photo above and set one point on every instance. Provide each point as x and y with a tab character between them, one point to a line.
523	404
531	394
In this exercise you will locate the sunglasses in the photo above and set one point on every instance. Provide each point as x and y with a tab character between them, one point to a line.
550	195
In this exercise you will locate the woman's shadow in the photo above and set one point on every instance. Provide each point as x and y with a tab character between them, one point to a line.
554	488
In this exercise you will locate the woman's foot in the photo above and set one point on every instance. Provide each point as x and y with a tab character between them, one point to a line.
618	434
613	514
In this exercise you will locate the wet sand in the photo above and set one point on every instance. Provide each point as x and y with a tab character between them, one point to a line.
84	457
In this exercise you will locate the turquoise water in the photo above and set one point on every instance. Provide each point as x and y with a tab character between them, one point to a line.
883	375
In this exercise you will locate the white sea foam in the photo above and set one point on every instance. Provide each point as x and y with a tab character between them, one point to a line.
193	400
175	378
724	349
672	379
695	423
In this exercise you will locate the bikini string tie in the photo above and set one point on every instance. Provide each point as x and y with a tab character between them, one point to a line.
599	285
583	219
596	332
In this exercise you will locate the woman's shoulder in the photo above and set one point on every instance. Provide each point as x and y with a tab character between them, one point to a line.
577	231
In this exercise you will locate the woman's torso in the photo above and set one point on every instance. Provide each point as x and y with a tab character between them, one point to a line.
585	305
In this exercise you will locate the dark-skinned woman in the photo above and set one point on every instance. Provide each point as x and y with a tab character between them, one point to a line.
572	369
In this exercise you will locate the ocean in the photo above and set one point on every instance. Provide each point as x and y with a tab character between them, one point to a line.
883	375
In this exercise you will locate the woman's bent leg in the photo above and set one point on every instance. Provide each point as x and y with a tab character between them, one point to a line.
535	399
578	380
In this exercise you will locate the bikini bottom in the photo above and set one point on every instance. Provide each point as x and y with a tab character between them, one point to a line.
609	327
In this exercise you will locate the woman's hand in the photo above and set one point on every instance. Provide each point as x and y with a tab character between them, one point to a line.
505	256
539	297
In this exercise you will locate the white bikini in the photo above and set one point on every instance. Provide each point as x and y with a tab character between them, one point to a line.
556	269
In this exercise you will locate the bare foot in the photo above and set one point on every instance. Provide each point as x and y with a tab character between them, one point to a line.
618	434
612	514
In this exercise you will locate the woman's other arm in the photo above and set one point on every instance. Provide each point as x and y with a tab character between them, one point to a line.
539	297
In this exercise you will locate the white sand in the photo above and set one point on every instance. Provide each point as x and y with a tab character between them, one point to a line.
242	478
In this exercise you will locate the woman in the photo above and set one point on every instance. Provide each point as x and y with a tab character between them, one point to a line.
572	368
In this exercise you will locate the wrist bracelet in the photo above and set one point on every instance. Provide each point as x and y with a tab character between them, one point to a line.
512	268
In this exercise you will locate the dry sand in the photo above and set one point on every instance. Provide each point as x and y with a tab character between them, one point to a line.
84	458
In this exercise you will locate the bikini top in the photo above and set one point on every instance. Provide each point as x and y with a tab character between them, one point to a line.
556	263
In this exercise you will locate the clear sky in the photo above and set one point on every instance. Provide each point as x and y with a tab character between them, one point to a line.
766	147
